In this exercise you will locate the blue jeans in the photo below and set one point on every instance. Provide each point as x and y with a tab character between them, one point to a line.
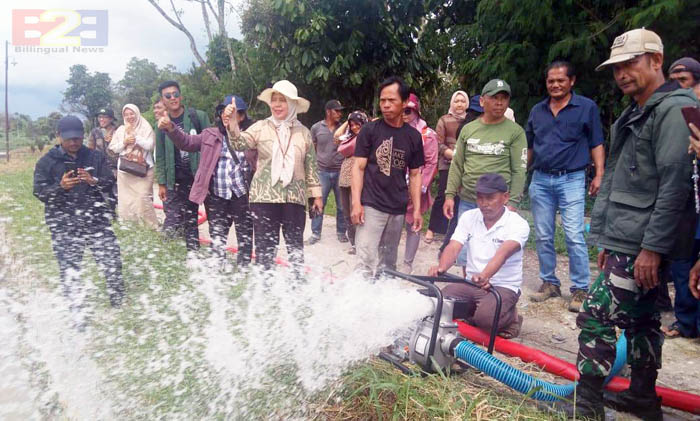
463	207
567	193
685	306
329	180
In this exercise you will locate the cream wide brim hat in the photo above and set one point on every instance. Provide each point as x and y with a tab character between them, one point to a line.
287	89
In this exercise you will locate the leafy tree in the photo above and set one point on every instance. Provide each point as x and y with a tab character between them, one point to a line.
47	126
87	92
340	48
140	81
515	40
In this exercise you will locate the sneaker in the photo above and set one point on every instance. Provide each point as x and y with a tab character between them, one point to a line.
342	237
352	250
547	290
313	240
577	298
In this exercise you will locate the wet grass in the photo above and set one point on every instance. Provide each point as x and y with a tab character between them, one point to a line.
151	351
377	391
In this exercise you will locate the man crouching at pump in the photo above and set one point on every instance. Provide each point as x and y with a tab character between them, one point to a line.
495	237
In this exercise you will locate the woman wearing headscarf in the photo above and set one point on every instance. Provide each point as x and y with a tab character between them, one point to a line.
345	137
286	174
447	133
134	141
412	117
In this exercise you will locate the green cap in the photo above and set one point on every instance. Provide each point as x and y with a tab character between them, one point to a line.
495	86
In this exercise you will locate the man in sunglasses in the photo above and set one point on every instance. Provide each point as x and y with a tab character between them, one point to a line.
490	144
175	168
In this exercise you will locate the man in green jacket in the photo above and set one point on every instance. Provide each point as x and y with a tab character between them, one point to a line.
635	221
175	169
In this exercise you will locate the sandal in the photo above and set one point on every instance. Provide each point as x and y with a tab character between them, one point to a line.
429	237
672	331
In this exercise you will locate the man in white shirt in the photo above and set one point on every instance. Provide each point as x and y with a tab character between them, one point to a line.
494	237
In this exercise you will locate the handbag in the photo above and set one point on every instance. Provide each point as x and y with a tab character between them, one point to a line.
133	162
347	146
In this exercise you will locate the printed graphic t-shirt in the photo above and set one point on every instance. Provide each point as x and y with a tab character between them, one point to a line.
390	152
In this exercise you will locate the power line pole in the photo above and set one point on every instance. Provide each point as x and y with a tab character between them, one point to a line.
7	113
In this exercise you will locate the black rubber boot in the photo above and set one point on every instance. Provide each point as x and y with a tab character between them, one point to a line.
589	400
640	399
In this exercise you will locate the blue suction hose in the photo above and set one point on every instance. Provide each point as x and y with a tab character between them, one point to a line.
525	383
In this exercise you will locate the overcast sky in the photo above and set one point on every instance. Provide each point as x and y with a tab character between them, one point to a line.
135	29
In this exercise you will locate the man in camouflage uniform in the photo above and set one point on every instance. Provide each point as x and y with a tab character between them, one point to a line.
635	220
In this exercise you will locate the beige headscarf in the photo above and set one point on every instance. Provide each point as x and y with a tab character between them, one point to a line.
282	167
452	111
140	130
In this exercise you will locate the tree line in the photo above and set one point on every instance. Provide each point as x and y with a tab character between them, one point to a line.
343	48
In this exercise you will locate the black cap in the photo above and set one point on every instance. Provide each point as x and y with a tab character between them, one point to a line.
685	64
334	104
491	183
70	127
105	111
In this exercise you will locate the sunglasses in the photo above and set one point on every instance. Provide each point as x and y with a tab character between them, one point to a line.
407	111
173	95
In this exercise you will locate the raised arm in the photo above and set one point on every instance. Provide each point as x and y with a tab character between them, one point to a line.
239	140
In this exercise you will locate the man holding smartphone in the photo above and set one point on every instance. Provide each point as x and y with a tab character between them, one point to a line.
73	181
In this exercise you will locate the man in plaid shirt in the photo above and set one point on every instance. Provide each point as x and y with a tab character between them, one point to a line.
222	182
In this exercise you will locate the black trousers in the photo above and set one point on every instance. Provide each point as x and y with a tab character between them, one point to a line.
221	213
268	218
451	226
69	243
181	215
346	203
438	223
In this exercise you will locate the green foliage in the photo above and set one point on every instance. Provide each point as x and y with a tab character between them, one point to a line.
515	40
140	80
87	92
341	49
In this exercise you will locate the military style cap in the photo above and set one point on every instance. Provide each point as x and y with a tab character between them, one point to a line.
632	44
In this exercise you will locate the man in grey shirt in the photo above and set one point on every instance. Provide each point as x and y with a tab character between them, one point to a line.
329	161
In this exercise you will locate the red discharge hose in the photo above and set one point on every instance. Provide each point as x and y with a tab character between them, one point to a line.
669	397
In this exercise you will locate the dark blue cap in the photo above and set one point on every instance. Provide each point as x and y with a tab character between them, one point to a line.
491	183
70	127
474	104
240	104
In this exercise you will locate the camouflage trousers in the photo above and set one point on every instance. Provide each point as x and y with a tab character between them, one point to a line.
613	300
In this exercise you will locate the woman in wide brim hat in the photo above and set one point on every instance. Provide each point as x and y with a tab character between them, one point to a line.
286	175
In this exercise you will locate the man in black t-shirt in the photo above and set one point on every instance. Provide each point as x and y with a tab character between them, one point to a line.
386	149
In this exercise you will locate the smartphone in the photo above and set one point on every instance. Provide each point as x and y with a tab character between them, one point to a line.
691	115
71	166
